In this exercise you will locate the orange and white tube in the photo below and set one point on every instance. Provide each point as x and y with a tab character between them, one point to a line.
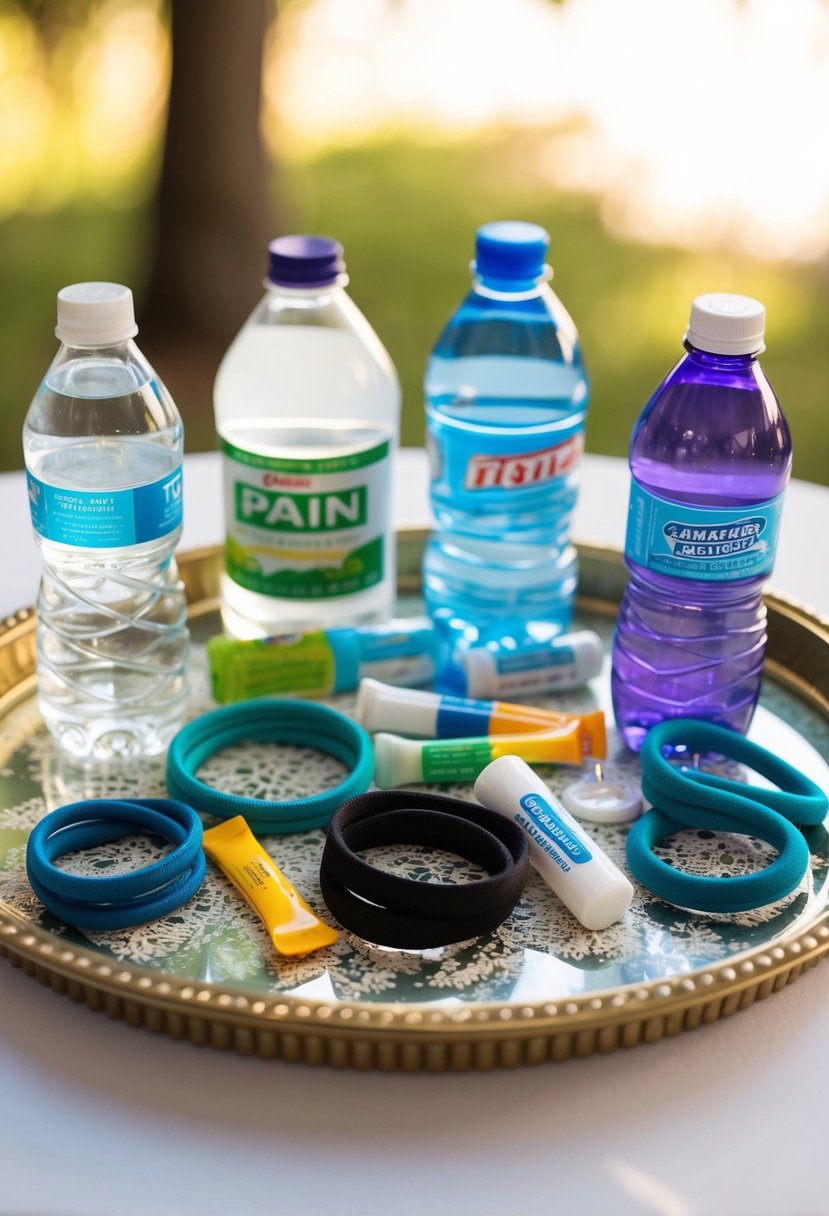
428	715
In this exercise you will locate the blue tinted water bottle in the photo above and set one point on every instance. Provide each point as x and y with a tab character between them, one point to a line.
710	457
506	398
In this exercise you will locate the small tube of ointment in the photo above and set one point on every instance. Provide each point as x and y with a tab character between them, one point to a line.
570	862
409	711
538	667
321	662
293	927
399	761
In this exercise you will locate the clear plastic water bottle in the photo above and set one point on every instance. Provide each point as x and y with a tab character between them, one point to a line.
506	398
308	413
103	447
710	457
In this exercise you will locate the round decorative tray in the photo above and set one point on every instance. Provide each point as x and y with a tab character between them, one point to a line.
539	988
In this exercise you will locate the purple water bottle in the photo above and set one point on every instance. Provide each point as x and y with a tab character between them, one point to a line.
710	457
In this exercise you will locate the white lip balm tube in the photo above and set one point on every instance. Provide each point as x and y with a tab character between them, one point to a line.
562	663
570	862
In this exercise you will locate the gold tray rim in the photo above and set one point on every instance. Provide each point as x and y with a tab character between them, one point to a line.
411	1038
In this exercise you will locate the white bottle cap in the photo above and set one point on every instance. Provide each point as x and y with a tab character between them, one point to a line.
726	324
95	314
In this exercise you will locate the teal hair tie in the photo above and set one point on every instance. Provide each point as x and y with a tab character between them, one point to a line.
119	901
683	798
276	720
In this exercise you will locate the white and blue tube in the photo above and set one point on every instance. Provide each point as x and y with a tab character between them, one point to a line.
523	670
570	862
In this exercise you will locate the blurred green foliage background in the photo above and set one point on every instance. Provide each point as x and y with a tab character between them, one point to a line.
406	209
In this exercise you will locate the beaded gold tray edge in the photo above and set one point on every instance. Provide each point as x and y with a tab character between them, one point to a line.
484	1036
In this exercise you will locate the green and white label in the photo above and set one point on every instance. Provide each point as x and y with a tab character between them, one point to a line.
450	760
306	528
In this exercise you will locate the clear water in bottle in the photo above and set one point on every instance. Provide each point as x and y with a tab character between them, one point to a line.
103	450
307	409
710	457
506	398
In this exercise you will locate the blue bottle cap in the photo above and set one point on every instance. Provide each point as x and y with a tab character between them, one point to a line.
305	261
511	254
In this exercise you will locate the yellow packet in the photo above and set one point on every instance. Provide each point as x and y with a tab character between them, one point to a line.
292	926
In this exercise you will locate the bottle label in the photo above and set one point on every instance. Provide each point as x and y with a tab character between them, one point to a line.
106	519
488	471
711	544
306	529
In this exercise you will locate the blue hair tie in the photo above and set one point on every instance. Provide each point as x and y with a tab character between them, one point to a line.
118	901
683	798
279	720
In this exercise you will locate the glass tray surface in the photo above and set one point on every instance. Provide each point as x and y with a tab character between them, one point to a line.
525	992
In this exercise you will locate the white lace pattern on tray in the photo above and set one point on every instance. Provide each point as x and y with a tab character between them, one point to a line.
540	952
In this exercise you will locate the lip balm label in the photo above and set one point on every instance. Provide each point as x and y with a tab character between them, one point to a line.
531	658
459	717
455	761
301	663
542	815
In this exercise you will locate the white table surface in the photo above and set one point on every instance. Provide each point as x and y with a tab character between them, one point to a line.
97	1118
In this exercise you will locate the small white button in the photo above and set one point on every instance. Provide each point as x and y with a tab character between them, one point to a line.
600	801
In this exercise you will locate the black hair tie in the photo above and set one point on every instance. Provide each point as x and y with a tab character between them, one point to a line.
406	913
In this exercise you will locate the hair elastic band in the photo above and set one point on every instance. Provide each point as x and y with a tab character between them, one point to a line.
406	913
280	720
688	798
119	901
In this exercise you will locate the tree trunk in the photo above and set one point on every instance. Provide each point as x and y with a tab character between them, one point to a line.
212	222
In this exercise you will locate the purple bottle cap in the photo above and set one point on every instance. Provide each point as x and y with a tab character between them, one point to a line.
305	261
